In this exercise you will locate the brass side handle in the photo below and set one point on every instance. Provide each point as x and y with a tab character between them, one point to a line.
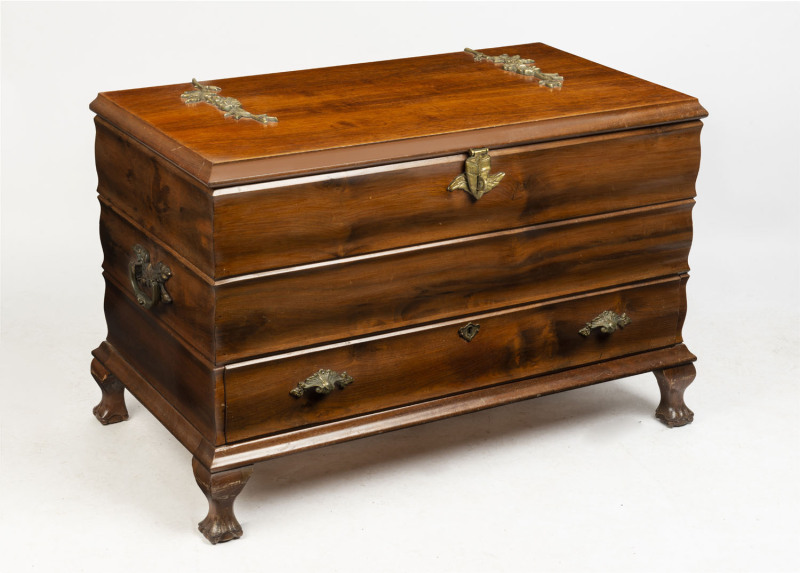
607	321
477	179
323	381
148	279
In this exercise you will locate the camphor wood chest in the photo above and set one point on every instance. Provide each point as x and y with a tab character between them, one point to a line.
297	259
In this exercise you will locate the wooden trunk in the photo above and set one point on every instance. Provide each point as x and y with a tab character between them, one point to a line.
411	240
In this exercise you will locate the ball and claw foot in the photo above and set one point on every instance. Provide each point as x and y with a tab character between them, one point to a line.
220	489
672	382
111	408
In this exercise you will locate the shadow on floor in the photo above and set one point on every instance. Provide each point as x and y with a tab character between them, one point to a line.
531	419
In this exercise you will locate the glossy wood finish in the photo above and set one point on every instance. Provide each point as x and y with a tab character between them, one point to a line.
299	440
111	408
183	377
390	111
672	382
413	367
435	282
221	489
171	207
164	411
191	312
304	220
329	240
240	454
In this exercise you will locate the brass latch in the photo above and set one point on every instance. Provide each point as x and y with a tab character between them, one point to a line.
476	179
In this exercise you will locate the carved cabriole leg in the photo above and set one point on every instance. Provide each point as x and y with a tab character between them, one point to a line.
221	489
673	381
111	408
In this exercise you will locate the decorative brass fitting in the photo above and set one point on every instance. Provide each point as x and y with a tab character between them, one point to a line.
231	106
323	381
145	275
469	331
477	179
607	321
521	66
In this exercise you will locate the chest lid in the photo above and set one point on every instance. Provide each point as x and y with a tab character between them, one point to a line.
358	115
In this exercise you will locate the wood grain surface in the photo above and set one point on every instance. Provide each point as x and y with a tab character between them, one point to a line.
302	439
294	222
329	240
282	310
412	367
187	381
170	206
191	312
362	114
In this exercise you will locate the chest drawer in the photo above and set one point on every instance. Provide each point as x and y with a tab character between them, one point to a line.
420	364
338	215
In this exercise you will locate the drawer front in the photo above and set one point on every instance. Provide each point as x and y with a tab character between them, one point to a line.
322	218
283	310
436	360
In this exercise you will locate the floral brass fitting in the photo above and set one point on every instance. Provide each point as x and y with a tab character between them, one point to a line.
231	106
477	179
323	381
521	66
147	276
607	321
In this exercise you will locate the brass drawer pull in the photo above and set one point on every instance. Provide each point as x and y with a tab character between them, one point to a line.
323	382
476	179
144	275
469	331
607	321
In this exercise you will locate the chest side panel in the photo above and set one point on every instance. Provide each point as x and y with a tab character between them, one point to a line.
190	314
169	206
184	378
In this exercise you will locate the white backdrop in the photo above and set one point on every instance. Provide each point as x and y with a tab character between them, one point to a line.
582	481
